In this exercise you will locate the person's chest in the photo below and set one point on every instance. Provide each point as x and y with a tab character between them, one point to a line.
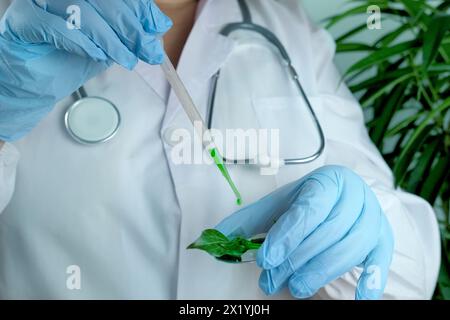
128	196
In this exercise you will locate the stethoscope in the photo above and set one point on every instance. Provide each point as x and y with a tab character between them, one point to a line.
91	120
248	25
94	120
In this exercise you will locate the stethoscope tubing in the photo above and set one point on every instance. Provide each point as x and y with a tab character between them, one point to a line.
248	25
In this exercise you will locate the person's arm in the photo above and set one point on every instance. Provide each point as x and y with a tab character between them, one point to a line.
38	50
9	157
416	260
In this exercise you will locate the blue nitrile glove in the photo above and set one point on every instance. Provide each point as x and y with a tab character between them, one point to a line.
319	228
43	59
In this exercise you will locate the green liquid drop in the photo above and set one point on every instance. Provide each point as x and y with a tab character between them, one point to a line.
221	166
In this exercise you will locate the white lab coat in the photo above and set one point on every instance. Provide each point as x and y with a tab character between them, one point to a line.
124	213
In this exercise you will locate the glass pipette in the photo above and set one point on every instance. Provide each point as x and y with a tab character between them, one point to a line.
195	117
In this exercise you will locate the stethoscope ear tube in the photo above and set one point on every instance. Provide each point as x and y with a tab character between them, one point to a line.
79	94
316	121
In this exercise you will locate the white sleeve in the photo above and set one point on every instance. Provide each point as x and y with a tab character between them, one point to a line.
416	260
9	157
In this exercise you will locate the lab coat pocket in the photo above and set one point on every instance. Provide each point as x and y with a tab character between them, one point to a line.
289	119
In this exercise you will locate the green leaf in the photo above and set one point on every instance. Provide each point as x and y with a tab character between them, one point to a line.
437	29
421	140
435	180
335	19
352	32
211	241
380	79
413	145
385	88
400	13
392	156
423	165
416	140
395	101
402	125
439	68
209	237
391	36
444	278
382	55
349	47
413	7
220	246
417	10
443	6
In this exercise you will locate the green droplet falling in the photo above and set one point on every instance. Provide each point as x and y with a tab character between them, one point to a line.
221	166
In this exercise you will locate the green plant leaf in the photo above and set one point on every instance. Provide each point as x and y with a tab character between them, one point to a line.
395	101
437	29
413	7
443	6
439	69
403	125
352	32
391	36
435	180
400	13
220	246
336	18
423	166
417	11
412	146
416	141
422	139
392	156
382	55
446	49
211	241
380	79
385	88
444	278
209	237
349	47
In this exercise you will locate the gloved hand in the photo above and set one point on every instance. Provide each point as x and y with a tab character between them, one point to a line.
319	228
43	60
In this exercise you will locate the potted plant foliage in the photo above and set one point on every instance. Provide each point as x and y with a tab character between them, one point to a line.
403	83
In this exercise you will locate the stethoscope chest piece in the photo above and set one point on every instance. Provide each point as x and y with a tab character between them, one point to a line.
92	120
